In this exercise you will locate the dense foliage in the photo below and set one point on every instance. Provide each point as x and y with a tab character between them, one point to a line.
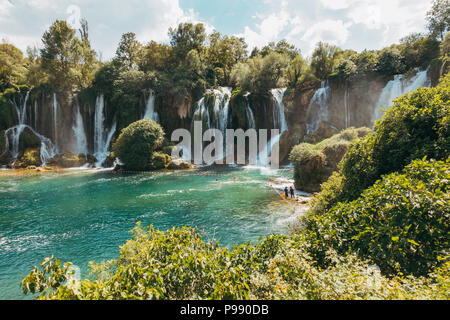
385	203
401	223
417	125
136	144
314	164
179	264
193	60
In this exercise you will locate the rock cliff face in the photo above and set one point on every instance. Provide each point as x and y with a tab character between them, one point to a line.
88	122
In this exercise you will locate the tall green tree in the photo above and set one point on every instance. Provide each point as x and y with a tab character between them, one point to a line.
129	51
156	57
438	18
299	71
12	69
67	60
223	53
324	59
187	37
282	47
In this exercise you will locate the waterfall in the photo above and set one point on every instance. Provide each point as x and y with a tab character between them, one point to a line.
80	134
102	137
346	108
222	108
150	107
35	114
279	122
278	112
55	120
398	87
202	114
251	124
47	151
320	100
219	117
12	135
21	110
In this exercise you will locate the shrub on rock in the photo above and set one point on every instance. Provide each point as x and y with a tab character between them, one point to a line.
137	143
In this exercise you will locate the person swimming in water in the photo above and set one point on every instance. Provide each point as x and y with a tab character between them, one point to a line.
292	192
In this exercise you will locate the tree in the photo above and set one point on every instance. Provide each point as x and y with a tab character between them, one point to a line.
84	30
282	47
347	68
67	60
418	50
260	74
223	53
439	18
129	50
445	45
299	71
390	61
12	70
187	37
324	59
137	143
366	61
156	57
35	74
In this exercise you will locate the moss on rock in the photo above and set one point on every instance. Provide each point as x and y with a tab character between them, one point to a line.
31	157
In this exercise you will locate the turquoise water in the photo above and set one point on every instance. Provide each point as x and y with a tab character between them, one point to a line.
80	217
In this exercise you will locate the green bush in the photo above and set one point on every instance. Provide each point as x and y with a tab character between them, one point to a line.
159	161
178	264
401	223
314	164
417	125
136	144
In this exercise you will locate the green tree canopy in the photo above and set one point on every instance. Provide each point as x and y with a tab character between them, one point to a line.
438	18
12	70
324	59
67	60
129	51
187	37
137	143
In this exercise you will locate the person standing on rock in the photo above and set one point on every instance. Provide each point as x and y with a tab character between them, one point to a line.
286	193
292	192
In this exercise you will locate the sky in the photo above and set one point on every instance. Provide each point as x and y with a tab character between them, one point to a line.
350	24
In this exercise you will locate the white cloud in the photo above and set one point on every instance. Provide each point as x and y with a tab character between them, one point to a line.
269	29
395	18
336	4
352	24
26	21
334	32
361	24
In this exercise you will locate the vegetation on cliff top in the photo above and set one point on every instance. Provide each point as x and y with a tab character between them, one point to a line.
193	61
314	164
